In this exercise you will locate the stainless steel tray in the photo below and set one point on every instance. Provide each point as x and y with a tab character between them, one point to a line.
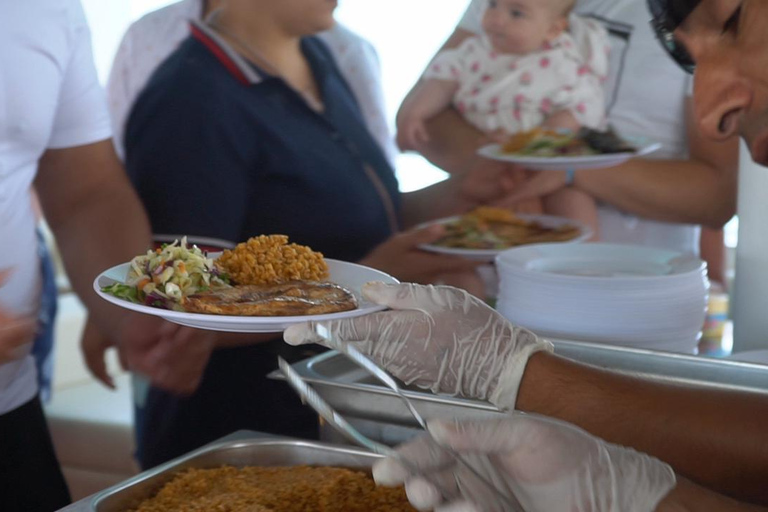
242	449
352	392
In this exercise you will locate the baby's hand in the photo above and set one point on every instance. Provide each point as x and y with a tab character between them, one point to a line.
412	133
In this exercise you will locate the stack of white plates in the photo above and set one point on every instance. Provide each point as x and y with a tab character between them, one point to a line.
618	294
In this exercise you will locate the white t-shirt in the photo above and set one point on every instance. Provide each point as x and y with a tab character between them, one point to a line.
50	98
150	40
645	93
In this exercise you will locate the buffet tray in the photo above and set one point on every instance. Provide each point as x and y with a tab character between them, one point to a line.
353	392
239	450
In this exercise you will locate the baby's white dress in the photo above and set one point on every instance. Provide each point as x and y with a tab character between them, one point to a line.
518	92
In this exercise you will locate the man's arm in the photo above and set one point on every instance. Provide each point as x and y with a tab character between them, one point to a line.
701	190
715	438
98	222
689	497
96	217
427	99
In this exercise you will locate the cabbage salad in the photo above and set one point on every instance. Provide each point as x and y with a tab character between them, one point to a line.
166	276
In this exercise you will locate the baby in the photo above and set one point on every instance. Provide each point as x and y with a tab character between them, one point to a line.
525	71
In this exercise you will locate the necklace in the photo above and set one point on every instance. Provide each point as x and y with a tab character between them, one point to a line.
260	60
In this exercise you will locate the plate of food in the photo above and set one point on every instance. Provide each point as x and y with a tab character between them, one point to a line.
485	232
550	150
263	285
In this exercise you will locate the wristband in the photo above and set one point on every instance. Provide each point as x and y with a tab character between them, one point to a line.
570	174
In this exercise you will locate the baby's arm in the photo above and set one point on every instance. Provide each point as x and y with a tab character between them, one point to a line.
562	119
428	98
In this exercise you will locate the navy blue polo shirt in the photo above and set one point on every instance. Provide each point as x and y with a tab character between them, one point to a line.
219	148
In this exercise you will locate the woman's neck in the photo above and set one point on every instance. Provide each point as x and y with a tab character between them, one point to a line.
262	37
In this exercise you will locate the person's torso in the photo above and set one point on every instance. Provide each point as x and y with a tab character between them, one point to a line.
156	36
35	46
319	178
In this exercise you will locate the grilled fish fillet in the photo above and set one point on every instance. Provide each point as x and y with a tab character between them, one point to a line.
289	299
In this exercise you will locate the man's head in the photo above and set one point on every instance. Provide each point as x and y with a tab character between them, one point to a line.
520	27
726	41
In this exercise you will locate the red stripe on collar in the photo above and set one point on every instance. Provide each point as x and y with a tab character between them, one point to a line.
220	54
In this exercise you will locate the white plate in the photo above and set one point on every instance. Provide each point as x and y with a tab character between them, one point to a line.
549	221
599	263
564	163
349	275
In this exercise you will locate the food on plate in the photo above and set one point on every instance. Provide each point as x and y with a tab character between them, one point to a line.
270	259
497	228
165	276
287	299
275	489
542	142
265	276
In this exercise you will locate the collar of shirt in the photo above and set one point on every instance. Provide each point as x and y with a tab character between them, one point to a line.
229	58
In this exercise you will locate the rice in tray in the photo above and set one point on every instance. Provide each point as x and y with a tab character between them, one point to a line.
275	489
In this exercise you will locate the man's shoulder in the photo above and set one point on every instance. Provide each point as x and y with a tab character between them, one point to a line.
172	14
160	31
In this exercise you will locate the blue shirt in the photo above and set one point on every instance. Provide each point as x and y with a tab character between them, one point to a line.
218	148
215	154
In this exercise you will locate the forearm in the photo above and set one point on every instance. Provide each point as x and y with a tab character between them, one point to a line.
427	99
92	242
689	497
716	438
443	199
453	142
95	216
665	190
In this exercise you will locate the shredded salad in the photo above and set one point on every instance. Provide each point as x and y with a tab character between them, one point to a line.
166	276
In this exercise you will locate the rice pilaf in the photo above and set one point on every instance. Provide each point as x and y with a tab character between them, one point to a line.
270	259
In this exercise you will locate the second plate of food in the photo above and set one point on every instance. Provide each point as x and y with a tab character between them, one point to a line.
548	150
484	233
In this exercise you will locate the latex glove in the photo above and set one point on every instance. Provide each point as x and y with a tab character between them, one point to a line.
550	466
440	338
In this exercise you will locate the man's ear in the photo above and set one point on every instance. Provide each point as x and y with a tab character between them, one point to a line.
558	26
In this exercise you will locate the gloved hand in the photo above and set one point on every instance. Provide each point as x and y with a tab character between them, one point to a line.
440	338
548	465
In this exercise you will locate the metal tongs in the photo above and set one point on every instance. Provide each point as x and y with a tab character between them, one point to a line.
324	409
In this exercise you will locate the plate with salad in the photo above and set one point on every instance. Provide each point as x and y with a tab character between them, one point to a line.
262	286
555	150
